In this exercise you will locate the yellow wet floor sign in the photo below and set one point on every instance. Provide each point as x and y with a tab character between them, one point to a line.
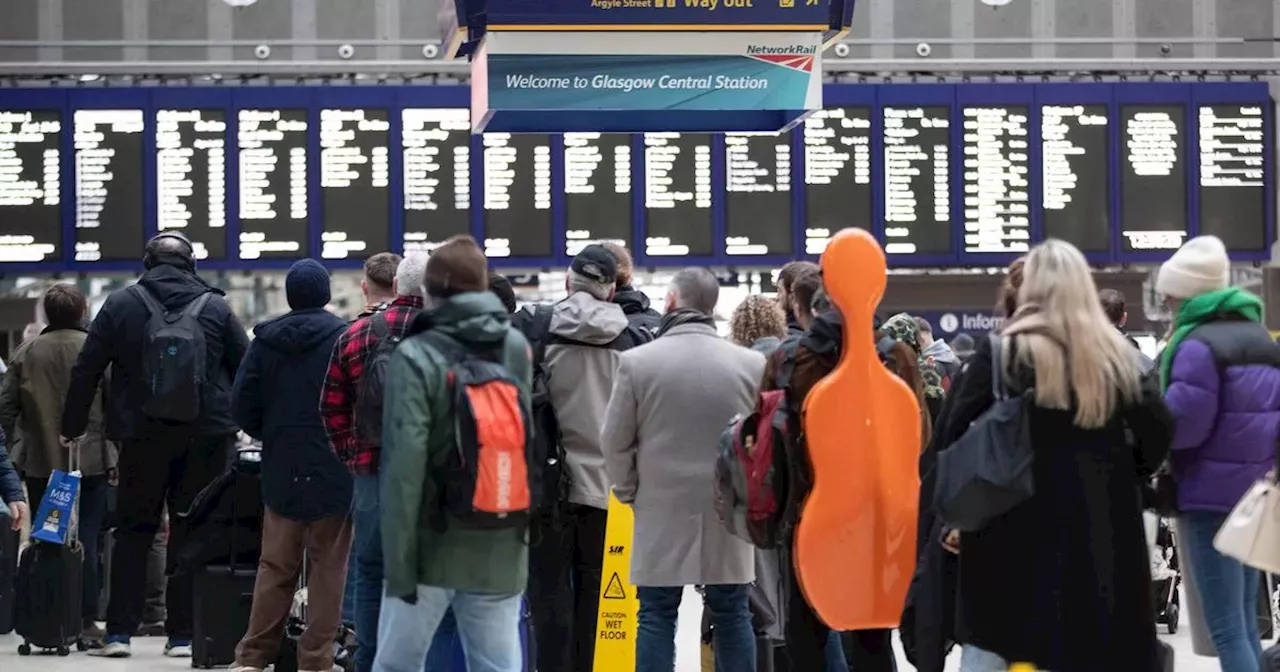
616	623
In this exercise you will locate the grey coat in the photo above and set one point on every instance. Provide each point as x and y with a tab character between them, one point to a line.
671	400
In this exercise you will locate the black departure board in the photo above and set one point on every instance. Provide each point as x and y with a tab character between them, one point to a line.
191	177
517	195
597	189
437	175
757	194
273	183
917	184
1153	177
109	207
997	179
1233	187
355	182
677	194
837	174
30	185
1076	179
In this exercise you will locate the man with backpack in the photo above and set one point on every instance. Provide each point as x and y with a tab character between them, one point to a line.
576	345
351	405
459	472
173	345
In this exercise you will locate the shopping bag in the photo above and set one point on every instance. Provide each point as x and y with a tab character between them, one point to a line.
1251	533
55	516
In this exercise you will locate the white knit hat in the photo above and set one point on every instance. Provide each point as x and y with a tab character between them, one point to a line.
1198	267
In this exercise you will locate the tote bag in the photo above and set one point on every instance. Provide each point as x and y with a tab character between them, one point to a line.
1252	531
987	471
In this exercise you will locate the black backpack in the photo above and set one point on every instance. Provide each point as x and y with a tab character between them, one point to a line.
491	479
554	480
173	359
373	378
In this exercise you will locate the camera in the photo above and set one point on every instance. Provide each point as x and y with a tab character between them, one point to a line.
923	50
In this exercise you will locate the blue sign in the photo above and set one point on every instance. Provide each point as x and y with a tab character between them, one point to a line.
949	324
663	15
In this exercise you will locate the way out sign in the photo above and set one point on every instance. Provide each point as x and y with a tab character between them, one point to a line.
616	622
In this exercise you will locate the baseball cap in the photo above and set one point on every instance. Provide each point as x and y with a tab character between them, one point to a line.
597	263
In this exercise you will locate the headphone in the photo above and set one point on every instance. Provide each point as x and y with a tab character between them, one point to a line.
148	260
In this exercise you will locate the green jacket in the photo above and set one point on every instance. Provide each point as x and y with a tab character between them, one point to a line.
417	437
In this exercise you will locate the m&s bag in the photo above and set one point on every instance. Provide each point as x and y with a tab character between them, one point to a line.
53	519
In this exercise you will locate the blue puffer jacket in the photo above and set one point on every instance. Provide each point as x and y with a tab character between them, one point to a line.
10	484
1224	394
277	400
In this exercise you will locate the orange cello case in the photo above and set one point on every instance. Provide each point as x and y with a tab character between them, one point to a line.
855	545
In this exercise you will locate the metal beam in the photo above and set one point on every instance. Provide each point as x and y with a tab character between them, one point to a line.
1141	67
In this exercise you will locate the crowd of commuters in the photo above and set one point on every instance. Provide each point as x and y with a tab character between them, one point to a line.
361	424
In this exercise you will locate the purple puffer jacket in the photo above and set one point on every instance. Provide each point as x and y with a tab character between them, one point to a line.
1224	394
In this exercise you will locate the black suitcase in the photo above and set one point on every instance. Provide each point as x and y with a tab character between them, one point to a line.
48	614
222	597
8	577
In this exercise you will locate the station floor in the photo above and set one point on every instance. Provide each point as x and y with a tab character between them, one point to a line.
147	653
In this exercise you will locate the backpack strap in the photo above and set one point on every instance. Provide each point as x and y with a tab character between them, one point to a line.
156	309
541	329
194	308
378	322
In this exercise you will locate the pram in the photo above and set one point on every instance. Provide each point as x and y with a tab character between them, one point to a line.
1166	577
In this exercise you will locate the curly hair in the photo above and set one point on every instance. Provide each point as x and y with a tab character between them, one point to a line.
755	318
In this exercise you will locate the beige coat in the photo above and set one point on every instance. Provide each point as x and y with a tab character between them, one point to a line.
671	400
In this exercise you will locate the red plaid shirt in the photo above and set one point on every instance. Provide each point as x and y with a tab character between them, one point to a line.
341	384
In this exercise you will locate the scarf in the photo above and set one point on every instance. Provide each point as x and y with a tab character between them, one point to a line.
1201	310
682	316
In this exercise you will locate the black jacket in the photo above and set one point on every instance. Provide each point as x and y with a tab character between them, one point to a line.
277	393
116	338
10	484
1063	580
636	306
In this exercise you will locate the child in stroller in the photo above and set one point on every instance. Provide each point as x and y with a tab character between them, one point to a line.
1165	576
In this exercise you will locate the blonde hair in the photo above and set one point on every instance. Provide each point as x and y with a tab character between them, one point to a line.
755	318
1060	331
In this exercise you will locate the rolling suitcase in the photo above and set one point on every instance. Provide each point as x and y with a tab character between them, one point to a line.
8	576
50	582
222	601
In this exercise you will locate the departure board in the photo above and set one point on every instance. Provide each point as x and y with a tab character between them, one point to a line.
437	176
355	182
517	195
837	174
597	189
677	194
273	183
1076	175
108	174
1153	184
757	194
191	178
30	185
997	179
1233	187
917	180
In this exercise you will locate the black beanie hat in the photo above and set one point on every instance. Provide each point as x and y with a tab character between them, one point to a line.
307	285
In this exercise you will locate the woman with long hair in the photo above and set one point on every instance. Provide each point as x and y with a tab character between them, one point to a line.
1221	379
1062	580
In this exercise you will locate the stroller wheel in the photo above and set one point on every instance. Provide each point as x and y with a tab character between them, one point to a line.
24	649
1172	619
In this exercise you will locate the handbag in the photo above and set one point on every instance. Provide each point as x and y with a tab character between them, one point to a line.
987	471
1251	534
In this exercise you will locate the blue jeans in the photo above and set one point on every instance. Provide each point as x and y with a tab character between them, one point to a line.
1228	593
973	659
489	626
734	641
349	591
367	515
833	654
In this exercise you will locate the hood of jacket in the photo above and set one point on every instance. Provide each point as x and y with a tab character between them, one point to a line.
586	319
940	351
826	335
633	301
174	287
299	331
471	317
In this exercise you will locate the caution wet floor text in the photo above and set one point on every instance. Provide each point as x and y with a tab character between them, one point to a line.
616	623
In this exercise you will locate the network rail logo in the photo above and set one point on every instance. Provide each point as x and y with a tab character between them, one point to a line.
794	56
